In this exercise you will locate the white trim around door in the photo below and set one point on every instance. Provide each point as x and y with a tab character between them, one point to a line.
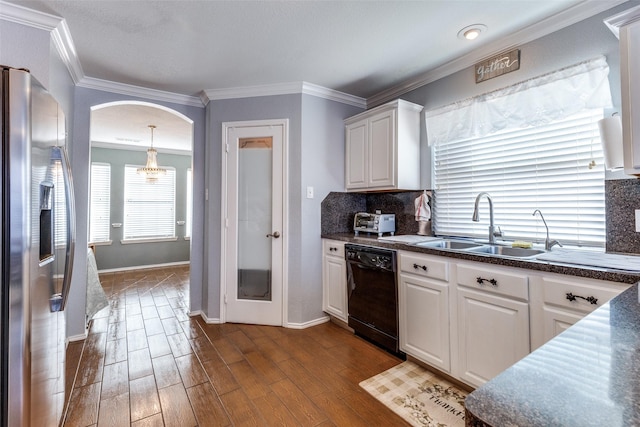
229	235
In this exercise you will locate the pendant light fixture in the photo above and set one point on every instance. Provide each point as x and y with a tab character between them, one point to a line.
151	171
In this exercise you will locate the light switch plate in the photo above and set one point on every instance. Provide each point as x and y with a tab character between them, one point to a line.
309	192
637	220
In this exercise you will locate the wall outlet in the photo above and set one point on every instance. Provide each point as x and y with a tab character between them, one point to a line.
637	220
309	192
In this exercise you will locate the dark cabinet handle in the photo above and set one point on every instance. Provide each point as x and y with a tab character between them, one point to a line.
481	281
591	299
333	249
416	266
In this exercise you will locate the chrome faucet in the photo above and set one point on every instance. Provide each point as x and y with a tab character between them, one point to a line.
548	243
476	217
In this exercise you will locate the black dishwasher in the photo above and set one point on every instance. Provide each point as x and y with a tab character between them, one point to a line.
372	294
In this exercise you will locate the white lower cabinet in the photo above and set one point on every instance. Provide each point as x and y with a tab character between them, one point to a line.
470	319
493	320
559	301
424	309
334	279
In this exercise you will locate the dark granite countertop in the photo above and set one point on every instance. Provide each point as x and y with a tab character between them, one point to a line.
589	375
612	275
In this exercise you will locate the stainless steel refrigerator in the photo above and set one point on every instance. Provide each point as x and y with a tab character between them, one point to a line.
37	234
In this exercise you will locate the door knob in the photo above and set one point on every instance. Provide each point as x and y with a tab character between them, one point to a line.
275	235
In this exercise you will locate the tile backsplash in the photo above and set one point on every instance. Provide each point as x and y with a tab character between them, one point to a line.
622	198
339	209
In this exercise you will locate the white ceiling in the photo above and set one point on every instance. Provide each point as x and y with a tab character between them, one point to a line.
128	125
361	48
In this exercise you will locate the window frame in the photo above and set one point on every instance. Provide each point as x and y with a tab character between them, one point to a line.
188	225
108	240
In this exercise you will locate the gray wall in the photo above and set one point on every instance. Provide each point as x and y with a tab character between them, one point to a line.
229	110
117	255
26	47
321	166
316	158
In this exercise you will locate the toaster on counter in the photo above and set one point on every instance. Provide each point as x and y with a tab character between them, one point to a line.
374	223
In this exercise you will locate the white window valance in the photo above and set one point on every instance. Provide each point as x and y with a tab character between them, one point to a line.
540	100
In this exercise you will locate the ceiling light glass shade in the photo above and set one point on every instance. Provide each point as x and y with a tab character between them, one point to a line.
151	171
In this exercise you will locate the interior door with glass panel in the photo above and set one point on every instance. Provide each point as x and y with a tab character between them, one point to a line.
254	218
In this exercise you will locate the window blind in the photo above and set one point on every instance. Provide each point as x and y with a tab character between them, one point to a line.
100	203
545	167
149	208
59	206
187	228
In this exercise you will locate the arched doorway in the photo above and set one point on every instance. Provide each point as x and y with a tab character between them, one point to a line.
133	222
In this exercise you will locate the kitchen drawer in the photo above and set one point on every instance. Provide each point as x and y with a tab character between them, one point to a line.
424	266
494	280
333	248
555	292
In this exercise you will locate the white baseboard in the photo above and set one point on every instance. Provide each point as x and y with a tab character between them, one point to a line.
289	325
145	267
308	324
209	321
80	337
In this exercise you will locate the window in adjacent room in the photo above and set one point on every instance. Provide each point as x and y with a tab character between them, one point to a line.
100	203
187	228
149	208
531	146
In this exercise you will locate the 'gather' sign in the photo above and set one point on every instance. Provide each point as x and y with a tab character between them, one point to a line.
498	65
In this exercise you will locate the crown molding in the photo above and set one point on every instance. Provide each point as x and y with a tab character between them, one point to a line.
62	40
333	95
563	19
282	89
253	91
139	91
626	17
55	25
22	15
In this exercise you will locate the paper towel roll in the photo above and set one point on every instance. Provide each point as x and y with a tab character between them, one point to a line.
611	137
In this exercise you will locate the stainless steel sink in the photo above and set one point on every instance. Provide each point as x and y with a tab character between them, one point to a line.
507	251
449	244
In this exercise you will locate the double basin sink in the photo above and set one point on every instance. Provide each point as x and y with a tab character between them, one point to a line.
481	248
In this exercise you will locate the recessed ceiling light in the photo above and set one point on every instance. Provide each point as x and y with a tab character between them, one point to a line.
471	32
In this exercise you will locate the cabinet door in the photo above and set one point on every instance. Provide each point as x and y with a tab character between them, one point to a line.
335	287
557	320
493	334
382	150
629	67
424	320
356	164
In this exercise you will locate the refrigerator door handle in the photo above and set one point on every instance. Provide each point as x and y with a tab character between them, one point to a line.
57	302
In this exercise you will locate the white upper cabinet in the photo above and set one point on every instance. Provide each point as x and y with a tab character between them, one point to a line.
626	26
382	148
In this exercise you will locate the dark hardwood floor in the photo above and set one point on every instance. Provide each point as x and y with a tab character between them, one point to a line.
147	363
